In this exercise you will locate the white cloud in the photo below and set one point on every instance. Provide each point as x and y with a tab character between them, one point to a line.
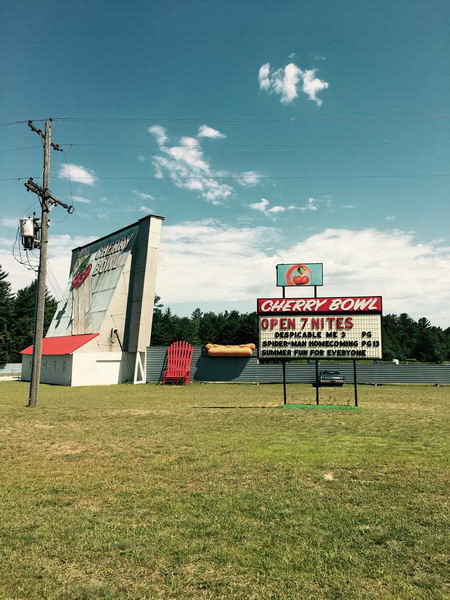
145	209
6	222
141	158
209	132
248	178
143	195
312	85
260	206
188	168
81	199
263	76
218	248
390	218
312	204
77	173
349	206
159	133
59	252
412	276
391	264
277	209
285	82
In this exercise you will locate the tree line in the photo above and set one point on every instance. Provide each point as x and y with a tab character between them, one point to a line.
403	337
17	318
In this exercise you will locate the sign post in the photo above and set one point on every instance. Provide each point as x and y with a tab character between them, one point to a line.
299	275
355	383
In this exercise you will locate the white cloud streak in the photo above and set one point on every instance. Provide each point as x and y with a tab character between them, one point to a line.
209	132
81	199
143	195
7	222
77	173
312	204
187	167
285	82
249	178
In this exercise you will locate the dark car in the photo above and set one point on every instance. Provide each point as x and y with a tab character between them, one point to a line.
331	378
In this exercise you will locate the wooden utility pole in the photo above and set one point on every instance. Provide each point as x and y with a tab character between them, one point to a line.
47	202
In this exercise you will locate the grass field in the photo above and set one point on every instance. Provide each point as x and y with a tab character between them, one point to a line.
210	491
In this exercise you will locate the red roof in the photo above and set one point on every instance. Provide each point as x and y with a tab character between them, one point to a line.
63	344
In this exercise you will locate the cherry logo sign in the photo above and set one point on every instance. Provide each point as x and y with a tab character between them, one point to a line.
298	275
82	273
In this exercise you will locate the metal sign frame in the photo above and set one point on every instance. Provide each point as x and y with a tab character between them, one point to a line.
298	264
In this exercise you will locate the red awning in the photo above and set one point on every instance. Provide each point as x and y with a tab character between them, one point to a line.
63	344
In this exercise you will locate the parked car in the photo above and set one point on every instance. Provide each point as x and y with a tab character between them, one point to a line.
331	378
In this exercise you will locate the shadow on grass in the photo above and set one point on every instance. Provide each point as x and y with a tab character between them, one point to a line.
307	406
233	407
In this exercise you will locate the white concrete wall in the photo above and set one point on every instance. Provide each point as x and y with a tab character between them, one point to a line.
54	369
116	314
102	368
148	295
83	368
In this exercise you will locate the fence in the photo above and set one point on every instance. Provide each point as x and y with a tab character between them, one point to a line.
246	370
10	368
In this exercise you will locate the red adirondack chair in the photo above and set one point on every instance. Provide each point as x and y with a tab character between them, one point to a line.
179	358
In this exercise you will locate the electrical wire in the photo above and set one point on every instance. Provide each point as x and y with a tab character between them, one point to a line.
259	146
53	280
66	163
264	177
22	148
240	120
19	122
237	120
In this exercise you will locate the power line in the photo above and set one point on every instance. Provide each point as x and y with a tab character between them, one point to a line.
261	146
18	122
23	148
245	119
262	177
230	119
264	145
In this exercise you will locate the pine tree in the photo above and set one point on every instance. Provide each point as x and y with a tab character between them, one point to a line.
24	309
6	311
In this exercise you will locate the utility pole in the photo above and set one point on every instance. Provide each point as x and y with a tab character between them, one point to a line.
47	203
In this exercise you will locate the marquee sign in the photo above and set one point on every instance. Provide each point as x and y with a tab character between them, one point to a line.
332	328
322	305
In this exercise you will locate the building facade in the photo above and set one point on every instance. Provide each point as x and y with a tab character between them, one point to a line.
102	327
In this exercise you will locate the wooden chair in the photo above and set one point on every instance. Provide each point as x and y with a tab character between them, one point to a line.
179	358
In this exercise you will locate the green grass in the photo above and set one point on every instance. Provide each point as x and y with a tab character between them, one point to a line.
210	492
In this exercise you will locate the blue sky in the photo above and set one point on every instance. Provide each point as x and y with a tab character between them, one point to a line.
187	110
